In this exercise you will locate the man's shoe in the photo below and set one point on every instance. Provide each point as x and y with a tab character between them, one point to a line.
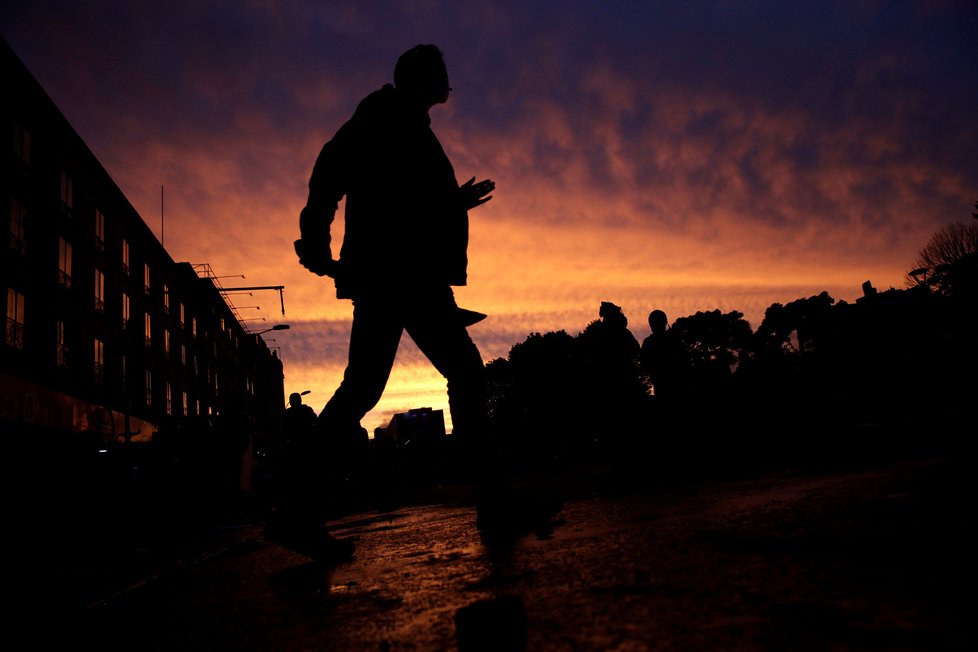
316	543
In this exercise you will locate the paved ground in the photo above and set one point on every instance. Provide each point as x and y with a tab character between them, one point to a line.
866	558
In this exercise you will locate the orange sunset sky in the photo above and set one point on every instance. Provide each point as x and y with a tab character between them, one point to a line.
682	156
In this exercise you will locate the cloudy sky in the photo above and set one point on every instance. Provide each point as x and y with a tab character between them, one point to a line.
677	155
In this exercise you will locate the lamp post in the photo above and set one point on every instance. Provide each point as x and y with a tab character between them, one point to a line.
276	327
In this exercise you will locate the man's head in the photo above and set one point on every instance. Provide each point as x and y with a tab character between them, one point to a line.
421	73
295	399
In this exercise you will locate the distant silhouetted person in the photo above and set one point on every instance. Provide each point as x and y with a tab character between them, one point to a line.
610	349
405	242
619	340
664	359
613	377
300	419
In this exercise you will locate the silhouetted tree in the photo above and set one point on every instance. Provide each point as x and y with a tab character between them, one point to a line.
793	379
716	342
796	327
947	260
535	393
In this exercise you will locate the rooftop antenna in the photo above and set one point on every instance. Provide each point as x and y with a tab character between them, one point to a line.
161	214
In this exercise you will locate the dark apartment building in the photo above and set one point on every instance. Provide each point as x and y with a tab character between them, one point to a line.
107	339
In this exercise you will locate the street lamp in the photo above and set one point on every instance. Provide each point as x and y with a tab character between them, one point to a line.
276	327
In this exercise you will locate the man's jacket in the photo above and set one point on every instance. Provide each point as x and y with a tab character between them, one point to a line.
405	226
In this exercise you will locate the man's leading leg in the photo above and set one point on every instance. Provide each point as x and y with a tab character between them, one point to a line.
435	325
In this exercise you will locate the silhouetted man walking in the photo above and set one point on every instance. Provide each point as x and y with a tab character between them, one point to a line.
404	248
299	417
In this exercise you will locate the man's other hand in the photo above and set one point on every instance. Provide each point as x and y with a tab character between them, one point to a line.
475	194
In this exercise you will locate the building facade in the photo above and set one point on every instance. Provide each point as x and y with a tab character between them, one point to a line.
107	339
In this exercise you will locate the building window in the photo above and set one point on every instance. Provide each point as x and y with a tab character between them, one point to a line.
99	361
99	230
183	355
149	387
148	330
184	410
18	214
15	319
146	278
22	144
125	257
166	342
166	299
61	346
125	310
67	194
169	398
182	316
64	262
99	290
193	326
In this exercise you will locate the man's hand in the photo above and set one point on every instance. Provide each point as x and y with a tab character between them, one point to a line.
475	194
316	259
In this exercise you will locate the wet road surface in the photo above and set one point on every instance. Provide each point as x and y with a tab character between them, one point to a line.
860	559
